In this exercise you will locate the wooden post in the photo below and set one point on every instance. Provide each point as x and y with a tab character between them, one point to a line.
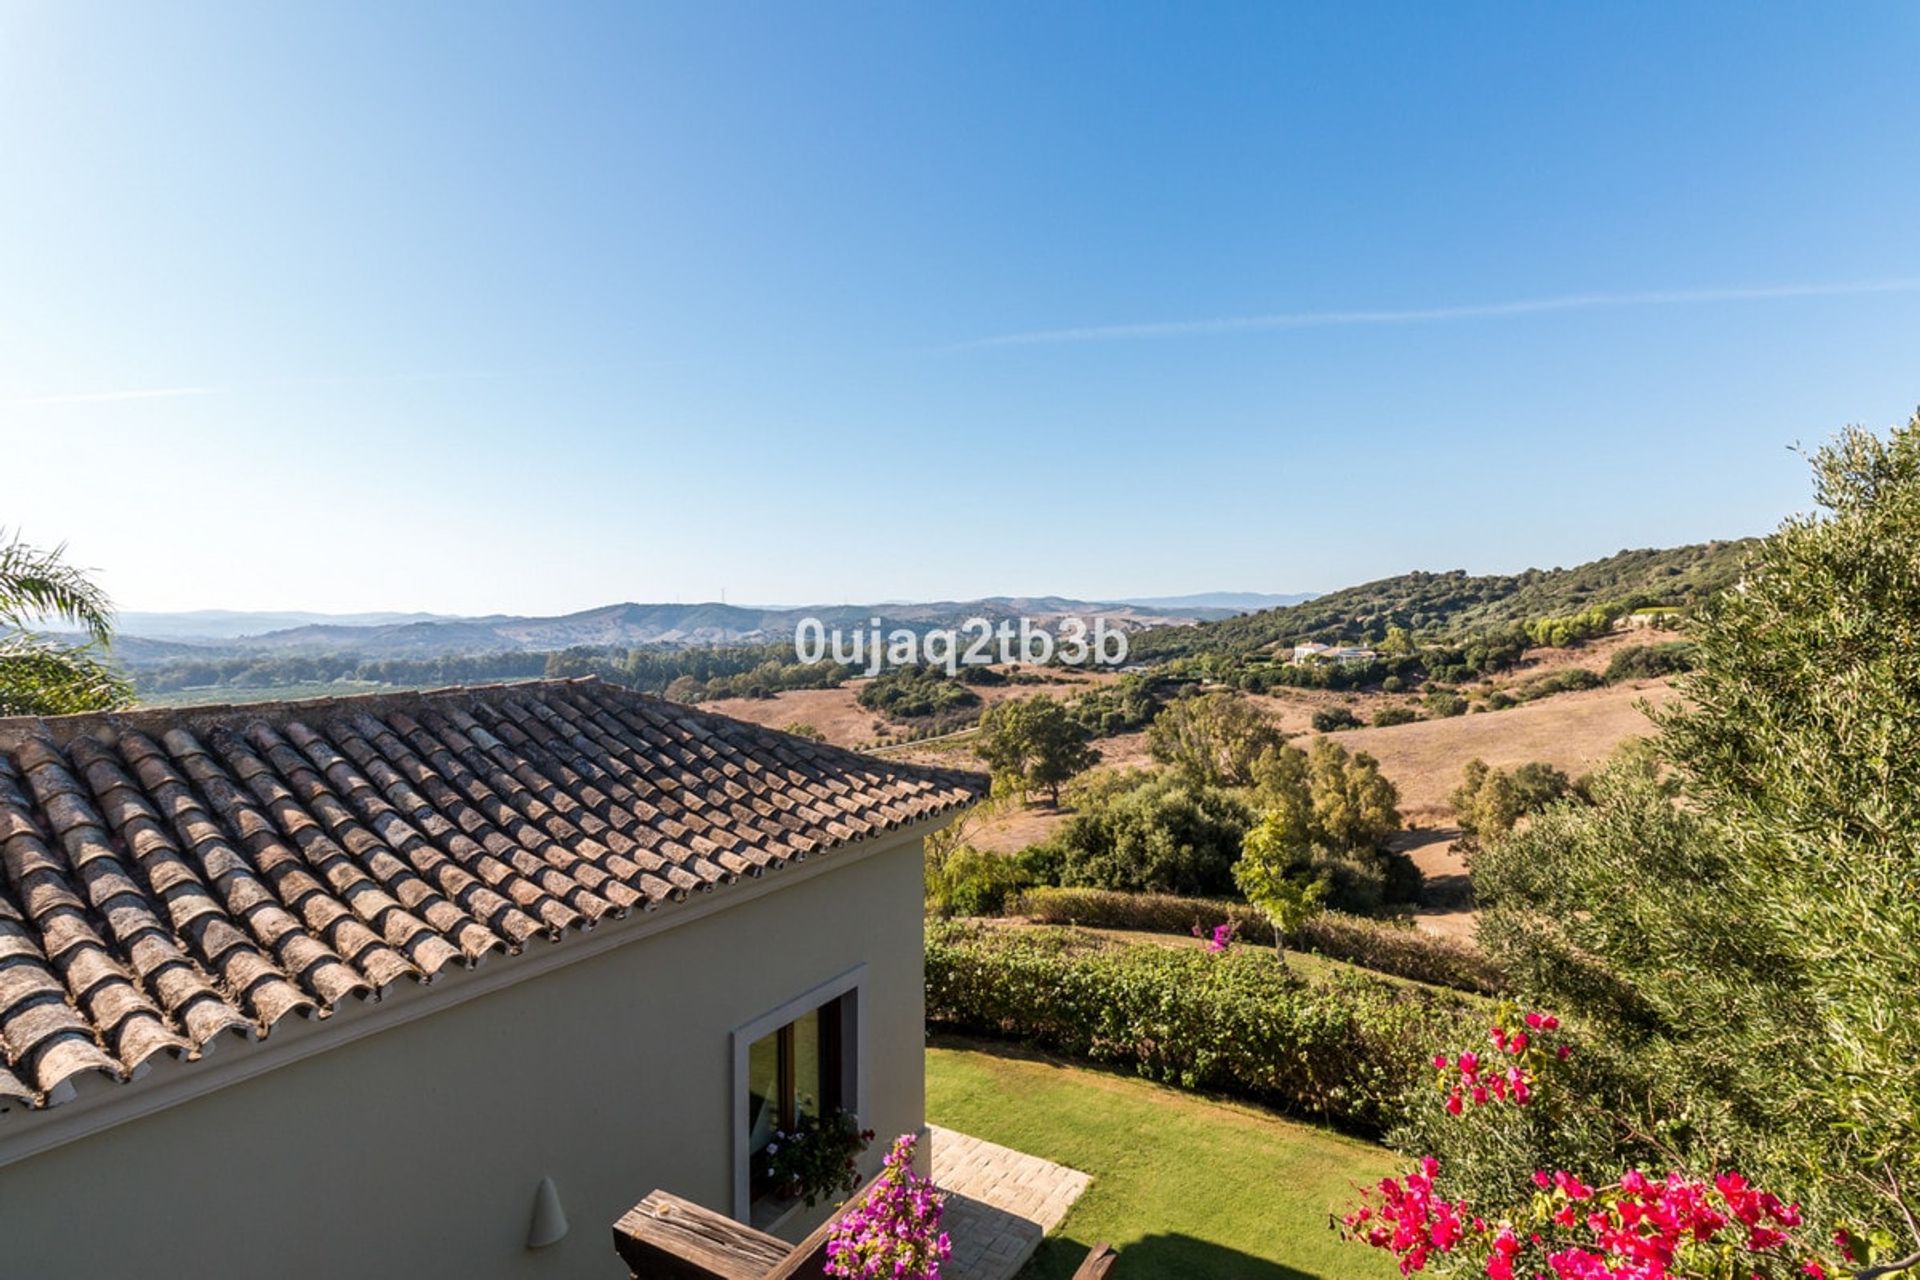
667	1238
1099	1264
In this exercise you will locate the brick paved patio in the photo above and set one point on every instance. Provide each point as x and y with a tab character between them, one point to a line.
1000	1203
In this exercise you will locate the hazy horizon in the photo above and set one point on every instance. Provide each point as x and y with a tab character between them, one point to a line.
616	599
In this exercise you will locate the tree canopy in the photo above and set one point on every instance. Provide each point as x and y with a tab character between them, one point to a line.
1212	739
1738	912
1037	742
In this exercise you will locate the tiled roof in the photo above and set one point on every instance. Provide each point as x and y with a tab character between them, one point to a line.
166	876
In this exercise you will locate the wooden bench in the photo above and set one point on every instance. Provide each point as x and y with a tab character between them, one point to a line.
667	1238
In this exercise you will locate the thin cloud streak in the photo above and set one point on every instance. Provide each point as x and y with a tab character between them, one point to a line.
101	397
1433	315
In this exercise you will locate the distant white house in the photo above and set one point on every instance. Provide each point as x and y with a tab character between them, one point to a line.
1313	652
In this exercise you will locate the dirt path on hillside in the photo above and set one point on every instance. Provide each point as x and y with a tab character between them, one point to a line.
1446	891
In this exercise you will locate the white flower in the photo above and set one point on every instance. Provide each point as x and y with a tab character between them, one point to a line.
773	1148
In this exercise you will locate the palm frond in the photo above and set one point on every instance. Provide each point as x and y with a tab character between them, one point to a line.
37	585
39	678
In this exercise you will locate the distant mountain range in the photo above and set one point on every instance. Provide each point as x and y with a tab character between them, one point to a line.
228	624
1229	601
147	637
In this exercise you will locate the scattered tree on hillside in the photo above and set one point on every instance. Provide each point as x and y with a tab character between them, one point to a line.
1035	741
1212	739
1354	805
1334	719
1488	802
1335	810
1573	628
1485	804
39	676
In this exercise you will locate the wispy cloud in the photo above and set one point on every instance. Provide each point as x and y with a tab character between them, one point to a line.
101	397
1432	315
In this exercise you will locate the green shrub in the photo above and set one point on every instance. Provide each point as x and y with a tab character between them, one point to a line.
1566	680
1331	719
971	882
1160	836
1129	703
1650	661
1399	950
1387	716
1575	627
1345	1050
906	693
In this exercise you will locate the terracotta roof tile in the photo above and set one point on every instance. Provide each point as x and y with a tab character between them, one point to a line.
166	876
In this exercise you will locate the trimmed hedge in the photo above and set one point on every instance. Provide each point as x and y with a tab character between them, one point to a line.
1347	1051
1371	944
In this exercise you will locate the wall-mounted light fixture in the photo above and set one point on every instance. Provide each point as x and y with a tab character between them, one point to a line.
549	1222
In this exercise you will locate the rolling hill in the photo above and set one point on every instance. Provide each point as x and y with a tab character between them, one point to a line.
1438	604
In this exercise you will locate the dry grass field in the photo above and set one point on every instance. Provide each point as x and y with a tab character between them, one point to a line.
1571	731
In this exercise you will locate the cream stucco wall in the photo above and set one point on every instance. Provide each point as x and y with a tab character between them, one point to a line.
415	1151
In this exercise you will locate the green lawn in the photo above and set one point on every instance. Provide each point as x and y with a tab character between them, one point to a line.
1187	1188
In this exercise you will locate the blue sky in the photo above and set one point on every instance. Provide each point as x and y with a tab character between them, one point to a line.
529	308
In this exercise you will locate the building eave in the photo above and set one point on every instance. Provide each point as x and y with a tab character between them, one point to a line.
100	1104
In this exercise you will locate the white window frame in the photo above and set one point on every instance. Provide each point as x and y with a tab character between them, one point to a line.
854	1079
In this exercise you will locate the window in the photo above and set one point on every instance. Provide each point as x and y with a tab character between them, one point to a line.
797	1070
797	1062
